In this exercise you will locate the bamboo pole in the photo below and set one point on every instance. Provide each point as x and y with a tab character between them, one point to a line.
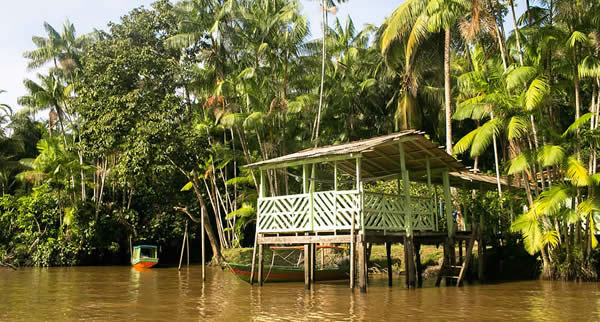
187	244
182	246
202	234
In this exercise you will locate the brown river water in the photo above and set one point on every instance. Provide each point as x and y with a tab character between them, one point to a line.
121	293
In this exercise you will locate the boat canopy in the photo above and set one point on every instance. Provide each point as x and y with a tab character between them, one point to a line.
145	246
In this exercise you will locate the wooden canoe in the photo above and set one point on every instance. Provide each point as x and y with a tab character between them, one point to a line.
277	273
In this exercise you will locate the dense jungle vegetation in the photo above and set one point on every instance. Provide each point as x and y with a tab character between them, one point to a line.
136	128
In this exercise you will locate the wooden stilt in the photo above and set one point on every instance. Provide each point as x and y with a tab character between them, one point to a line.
460	252
468	255
261	194
418	264
441	273
260	264
307	266
313	250
203	246
352	254
406	264
388	251
187	244
362	266
322	257
410	264
481	250
182	246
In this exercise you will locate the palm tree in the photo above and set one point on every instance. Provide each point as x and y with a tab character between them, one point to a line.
414	21
5	114
48	94
52	166
61	48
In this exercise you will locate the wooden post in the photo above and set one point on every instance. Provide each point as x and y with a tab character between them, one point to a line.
406	189
352	254
362	266
203	247
313	249
460	252
335	196
305	178
481	250
418	264
409	261
359	187
408	221
183	246
406	282
448	203
130	247
432	197
388	251
260	264
261	194
307	266
187	243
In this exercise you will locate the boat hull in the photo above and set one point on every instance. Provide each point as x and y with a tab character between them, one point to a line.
144	263
285	274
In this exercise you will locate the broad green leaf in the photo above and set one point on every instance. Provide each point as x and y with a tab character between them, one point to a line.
187	186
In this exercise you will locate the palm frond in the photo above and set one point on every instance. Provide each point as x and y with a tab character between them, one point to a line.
582	120
577	173
550	155
517	127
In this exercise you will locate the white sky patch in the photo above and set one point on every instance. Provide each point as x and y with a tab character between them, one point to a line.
20	20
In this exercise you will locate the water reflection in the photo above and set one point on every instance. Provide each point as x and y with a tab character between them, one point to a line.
119	293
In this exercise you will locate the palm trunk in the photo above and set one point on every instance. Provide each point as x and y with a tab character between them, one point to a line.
496	162
324	54
512	9
447	93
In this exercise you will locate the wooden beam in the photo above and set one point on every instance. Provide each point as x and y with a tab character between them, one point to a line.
428	151
374	164
385	157
309	160
330	239
448	203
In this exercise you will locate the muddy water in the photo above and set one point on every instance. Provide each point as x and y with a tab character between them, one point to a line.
119	293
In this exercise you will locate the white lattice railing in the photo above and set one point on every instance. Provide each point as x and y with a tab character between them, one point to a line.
334	210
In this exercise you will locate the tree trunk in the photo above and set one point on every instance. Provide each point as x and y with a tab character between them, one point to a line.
512	9
214	243
546	268
447	93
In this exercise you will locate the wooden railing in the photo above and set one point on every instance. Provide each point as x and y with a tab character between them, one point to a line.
335	210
